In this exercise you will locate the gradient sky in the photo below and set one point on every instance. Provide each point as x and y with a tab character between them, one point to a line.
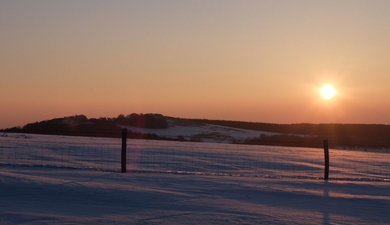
241	60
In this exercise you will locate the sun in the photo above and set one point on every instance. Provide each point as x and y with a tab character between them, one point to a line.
327	92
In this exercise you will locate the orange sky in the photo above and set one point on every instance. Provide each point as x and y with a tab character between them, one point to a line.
241	60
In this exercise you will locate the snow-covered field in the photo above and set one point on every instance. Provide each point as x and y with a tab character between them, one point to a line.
76	180
202	132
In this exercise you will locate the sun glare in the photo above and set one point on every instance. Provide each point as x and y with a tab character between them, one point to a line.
328	92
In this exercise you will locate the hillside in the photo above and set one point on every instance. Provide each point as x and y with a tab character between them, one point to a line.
159	127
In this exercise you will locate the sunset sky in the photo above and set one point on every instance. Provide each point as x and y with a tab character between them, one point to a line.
262	61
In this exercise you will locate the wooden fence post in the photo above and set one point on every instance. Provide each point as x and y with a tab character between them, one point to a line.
124	146
326	154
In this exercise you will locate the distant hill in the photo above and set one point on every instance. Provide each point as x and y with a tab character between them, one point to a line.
80	125
157	126
306	134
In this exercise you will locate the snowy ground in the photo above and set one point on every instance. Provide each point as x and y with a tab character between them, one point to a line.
74	180
202	132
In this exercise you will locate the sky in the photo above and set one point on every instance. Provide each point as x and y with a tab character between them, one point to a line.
260	60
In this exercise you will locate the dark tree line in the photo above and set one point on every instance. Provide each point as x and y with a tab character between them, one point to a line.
80	125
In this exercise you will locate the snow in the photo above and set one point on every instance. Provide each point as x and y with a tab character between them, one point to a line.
75	180
203	132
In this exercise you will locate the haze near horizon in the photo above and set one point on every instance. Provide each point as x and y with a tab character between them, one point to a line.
265	61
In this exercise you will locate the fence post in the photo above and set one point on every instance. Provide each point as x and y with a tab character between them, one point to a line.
326	154
124	146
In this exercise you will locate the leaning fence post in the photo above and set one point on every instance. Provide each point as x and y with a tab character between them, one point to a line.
326	154
124	145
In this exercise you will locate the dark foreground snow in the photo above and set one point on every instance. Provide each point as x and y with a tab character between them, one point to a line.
57	196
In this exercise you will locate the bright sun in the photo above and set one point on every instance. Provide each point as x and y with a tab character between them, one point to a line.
328	91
